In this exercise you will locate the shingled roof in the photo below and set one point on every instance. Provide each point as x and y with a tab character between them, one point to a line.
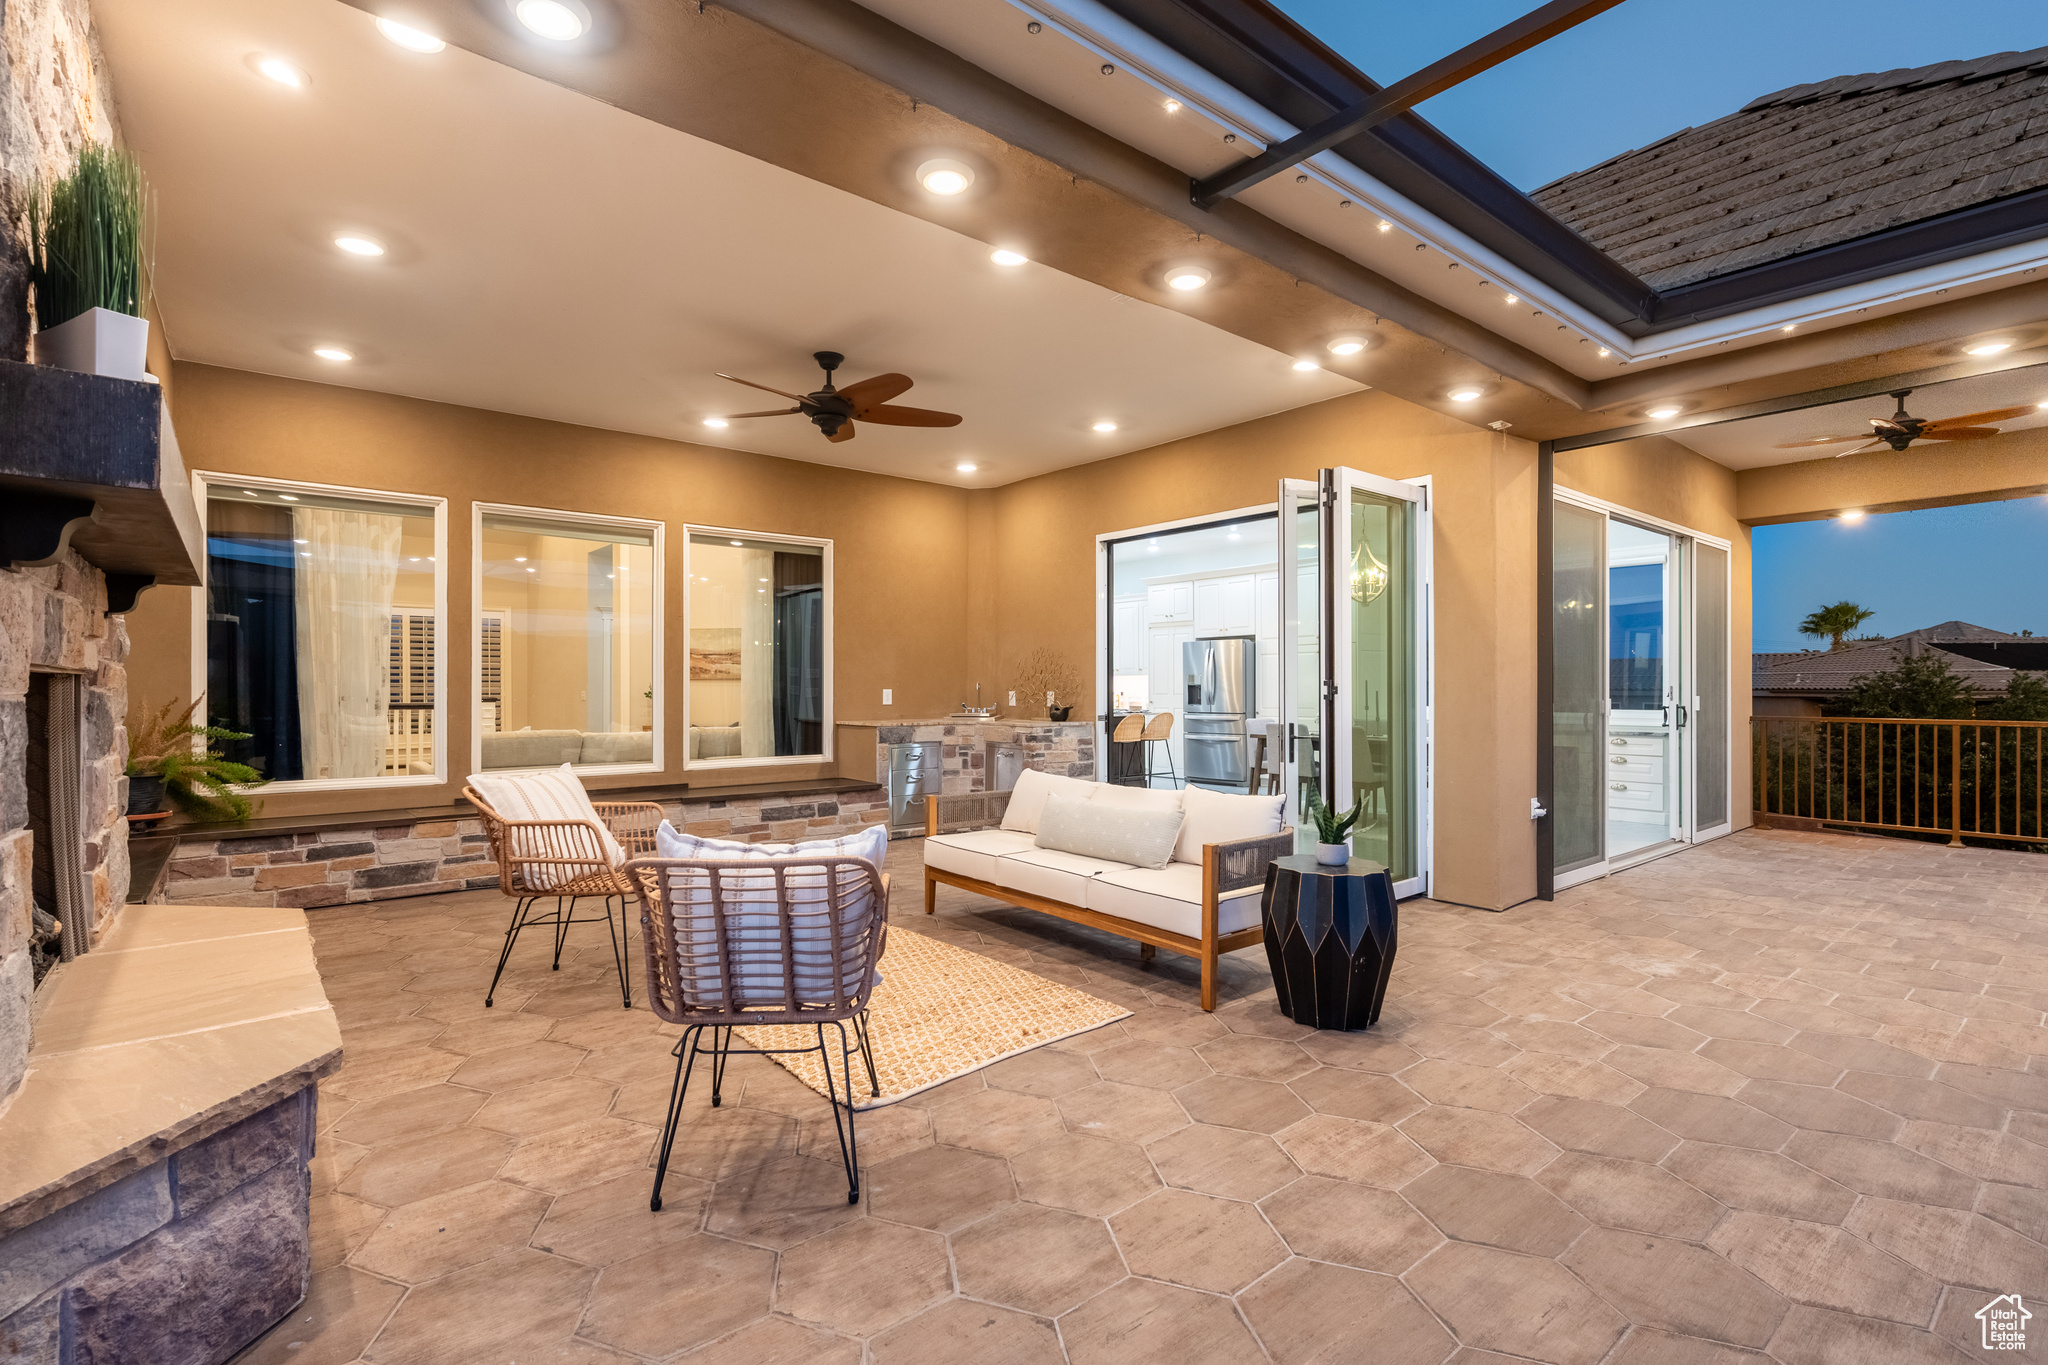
1816	165
1831	673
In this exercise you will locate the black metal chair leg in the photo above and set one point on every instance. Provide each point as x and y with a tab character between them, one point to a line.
847	1152
505	953
562	927
618	959
867	1054
721	1042
686	1060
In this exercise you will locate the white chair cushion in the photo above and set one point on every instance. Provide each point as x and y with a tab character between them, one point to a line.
1169	898
556	795
1052	874
1218	818
974	854
1131	835
1027	799
1138	798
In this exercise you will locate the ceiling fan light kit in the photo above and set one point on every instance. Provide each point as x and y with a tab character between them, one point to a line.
834	410
1902	429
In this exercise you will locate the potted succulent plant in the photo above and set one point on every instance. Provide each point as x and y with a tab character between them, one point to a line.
164	761
89	263
1333	831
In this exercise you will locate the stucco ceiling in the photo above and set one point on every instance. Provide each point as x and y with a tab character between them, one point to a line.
553	256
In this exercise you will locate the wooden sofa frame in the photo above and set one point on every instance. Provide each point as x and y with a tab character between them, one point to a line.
1226	867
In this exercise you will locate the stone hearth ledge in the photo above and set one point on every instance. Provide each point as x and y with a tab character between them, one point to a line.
184	1021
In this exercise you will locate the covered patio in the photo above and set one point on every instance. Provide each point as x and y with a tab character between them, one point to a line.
1778	1094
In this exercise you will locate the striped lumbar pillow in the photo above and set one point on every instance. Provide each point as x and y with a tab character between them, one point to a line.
556	795
1119	834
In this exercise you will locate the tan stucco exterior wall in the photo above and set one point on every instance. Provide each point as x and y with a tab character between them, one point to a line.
1944	474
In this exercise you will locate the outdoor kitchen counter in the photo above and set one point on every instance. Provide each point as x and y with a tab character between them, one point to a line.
187	1019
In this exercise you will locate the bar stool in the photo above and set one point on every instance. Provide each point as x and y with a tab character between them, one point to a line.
1157	731
1263	781
1129	730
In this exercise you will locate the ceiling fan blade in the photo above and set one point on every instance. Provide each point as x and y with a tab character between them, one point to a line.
772	412
909	417
1978	419
880	389
1886	424
793	397
1820	441
1869	445
845	432
1960	434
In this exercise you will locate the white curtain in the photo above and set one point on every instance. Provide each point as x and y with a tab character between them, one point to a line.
757	653
347	567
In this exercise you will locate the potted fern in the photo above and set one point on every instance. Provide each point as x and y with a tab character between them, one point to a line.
1333	831
89	263
164	761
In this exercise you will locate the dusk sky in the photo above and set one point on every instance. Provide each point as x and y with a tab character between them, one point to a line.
1648	68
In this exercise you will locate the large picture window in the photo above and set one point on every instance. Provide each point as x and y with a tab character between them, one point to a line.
322	642
760	639
568	640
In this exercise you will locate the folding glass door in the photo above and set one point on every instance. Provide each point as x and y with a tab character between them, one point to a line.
1355	681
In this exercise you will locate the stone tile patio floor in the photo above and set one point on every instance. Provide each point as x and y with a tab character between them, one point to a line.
1779	1097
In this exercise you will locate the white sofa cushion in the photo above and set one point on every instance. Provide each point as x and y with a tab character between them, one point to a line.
1130	835
1169	898
556	795
1057	876
1218	818
1138	798
1027	799
974	854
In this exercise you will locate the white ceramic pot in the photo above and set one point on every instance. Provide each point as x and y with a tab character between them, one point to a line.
1333	855
97	341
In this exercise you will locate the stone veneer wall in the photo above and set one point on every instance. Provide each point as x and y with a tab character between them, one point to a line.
53	619
428	857
1064	747
189	1259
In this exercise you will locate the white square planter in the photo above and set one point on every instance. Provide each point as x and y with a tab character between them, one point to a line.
98	341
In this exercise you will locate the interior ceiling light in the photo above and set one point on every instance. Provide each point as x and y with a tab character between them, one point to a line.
1005	256
1987	348
716	423
941	176
287	497
411	39
282	71
967	466
1347	345
1105	426
1306	365
559	21
737	542
359	246
1464	395
1853	514
1664	412
518	559
1186	278
333	353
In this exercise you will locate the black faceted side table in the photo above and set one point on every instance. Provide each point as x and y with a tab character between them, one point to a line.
1330	939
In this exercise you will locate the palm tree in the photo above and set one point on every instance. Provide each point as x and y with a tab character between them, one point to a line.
1835	622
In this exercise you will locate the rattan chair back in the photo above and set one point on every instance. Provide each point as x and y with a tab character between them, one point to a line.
1159	727
1129	730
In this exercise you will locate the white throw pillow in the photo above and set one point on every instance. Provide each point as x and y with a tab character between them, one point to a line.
556	795
1217	818
1119	834
1027	799
1138	798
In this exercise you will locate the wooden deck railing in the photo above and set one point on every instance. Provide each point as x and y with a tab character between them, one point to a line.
1974	779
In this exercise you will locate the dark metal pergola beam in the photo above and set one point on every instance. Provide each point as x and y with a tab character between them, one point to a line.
1535	27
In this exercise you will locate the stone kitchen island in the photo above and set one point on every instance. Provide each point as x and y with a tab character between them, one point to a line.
957	756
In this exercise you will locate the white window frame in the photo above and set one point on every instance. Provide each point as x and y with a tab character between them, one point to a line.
657	529
827	736
203	482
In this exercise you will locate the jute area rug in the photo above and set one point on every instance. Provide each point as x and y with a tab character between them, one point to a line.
940	1012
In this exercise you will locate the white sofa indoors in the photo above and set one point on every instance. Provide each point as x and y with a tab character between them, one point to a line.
1204	902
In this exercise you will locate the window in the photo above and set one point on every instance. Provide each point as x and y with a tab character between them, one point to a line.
568	640
760	618
322	642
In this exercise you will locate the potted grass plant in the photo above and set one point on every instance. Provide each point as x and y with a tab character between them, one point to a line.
1333	831
171	756
89	262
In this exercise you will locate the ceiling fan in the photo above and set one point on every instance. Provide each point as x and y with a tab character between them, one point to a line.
834	410
1901	429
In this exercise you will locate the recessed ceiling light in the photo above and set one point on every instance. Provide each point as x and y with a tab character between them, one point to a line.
518	559
359	246
411	39
1171	106
716	423
942	176
1186	277
412	559
1386	226
1987	348
1664	413
1853	514
282	71
531	569
1347	345
287	497
967	466
559	21
333	353
736	542
301	541
1464	395
1005	256
1511	299
1105	426
1604	351
1306	365
249	493
1790	326
2042	406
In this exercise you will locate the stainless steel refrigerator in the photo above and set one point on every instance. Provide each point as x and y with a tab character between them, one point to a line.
1218	676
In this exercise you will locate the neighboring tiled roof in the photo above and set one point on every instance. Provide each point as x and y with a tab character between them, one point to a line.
1815	165
1831	672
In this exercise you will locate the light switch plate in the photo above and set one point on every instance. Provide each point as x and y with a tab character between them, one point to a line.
1013	699
888	696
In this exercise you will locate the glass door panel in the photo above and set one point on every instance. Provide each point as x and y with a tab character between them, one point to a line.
1578	611
1645	712
1301	653
1710	689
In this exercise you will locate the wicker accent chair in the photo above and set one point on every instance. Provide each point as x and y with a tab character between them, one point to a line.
566	861
745	942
